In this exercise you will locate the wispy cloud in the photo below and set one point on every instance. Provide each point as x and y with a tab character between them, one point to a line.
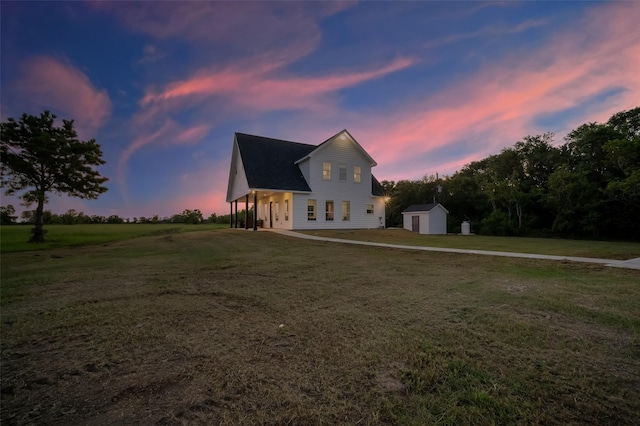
258	89
489	31
499	105
167	133
49	83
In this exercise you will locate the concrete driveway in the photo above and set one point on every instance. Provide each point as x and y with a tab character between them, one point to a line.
627	264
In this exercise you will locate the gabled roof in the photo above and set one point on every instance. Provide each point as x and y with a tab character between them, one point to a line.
343	133
270	163
423	208
273	163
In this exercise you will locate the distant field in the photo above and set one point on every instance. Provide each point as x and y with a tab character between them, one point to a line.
15	237
551	246
233	327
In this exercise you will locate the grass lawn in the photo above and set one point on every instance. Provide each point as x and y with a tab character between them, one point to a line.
233	327
551	246
16	237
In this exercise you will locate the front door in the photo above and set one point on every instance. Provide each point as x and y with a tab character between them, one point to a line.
415	223
270	214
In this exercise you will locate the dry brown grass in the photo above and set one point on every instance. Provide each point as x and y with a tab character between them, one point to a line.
234	327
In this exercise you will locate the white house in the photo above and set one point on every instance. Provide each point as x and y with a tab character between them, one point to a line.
425	218
294	185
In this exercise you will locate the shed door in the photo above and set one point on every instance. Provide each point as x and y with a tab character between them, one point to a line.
415	223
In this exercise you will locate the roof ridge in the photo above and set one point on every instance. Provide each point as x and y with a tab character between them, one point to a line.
273	139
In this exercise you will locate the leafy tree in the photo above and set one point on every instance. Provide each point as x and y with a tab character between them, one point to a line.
42	158
7	215
70	217
114	218
213	218
98	219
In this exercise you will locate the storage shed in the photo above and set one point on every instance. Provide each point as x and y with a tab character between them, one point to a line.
428	219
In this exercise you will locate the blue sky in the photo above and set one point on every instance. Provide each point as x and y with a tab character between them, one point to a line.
424	87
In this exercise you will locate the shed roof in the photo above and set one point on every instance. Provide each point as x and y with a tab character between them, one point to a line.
271	163
423	208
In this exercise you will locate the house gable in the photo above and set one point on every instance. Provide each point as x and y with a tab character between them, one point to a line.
342	136
237	184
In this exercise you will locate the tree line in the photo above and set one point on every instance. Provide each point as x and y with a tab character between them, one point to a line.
73	217
588	187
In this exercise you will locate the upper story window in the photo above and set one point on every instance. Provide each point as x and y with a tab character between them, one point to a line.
357	174
329	210
343	172
311	209
326	171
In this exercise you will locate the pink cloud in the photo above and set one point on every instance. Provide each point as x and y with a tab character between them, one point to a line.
48	83
498	106
260	91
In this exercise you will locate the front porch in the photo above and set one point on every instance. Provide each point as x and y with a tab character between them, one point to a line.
262	209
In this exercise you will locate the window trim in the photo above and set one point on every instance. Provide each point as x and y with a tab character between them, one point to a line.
329	214
312	207
357	174
346	210
342	175
326	170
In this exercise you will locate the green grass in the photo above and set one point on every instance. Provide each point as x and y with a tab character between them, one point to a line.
15	237
550	246
231	327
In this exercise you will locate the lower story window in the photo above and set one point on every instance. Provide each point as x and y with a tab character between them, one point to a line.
311	209
369	208
286	209
329	210
346	210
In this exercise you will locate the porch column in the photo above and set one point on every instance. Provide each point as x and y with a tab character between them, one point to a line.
246	211
231	215
255	210
236	202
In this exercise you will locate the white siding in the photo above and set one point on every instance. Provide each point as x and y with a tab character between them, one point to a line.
304	168
238	185
338	151
437	221
406	220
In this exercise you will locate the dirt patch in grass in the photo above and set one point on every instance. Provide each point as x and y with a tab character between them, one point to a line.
228	327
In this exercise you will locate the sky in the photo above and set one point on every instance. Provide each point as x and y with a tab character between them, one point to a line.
425	87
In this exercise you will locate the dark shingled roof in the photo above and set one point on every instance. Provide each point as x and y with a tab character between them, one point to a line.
270	164
420	207
376	188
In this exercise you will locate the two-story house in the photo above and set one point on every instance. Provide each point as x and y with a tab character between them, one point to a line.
293	185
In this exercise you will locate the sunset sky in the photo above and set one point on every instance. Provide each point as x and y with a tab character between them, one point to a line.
424	87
